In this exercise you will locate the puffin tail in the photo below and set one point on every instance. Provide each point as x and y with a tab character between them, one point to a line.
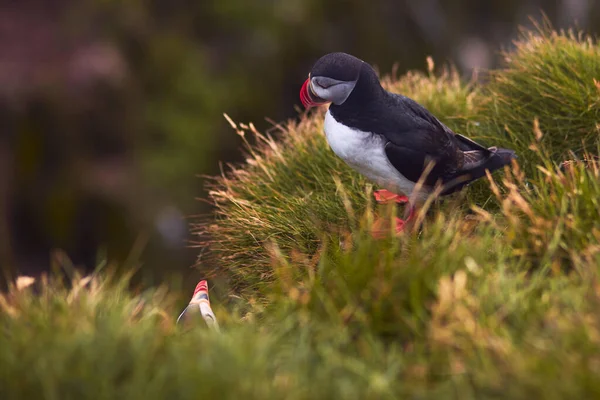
498	158
477	162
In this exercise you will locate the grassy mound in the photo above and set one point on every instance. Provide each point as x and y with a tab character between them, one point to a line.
294	192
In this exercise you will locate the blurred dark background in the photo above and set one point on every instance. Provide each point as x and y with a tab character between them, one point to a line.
110	110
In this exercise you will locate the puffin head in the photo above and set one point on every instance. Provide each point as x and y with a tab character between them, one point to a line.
331	80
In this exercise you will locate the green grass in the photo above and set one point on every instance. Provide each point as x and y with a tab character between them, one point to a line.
551	81
495	295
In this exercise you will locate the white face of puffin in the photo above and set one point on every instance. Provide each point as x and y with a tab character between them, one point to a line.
332	90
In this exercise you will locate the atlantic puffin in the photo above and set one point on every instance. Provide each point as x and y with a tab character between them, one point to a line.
390	138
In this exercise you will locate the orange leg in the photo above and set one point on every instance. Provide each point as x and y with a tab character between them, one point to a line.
379	228
385	196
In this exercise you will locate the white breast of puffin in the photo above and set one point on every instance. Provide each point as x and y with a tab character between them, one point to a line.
365	152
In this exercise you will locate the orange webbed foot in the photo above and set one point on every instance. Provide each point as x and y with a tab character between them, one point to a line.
385	196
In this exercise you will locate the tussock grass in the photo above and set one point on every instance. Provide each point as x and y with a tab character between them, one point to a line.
554	224
550	81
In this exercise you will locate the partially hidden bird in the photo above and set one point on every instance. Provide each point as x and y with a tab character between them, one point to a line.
391	139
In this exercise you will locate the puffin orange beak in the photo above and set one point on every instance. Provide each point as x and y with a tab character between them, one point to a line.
308	98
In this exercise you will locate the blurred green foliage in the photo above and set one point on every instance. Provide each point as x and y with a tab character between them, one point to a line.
111	109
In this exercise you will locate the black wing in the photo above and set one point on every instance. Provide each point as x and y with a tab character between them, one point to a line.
458	159
411	161
419	139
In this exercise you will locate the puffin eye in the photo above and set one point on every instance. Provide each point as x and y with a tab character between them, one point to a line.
324	82
323	85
